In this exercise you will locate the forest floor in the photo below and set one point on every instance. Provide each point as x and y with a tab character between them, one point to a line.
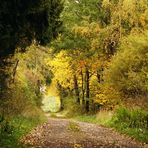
67	133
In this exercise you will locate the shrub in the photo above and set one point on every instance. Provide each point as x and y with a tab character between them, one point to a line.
107	97
133	122
71	107
135	118
5	126
73	126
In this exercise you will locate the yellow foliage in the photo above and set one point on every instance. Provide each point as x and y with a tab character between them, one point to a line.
61	68
144	19
107	96
106	3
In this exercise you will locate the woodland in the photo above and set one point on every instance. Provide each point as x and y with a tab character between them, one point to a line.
90	57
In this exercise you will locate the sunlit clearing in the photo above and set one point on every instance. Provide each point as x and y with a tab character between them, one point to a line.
51	100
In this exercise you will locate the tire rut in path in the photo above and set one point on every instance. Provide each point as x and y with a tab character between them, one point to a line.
56	134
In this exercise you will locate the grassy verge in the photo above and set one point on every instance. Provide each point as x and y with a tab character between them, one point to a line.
130	122
137	133
133	122
11	133
87	118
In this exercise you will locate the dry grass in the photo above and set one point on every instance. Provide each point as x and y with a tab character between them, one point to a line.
104	116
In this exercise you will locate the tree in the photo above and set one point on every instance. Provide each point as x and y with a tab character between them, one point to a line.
95	30
127	72
24	21
21	22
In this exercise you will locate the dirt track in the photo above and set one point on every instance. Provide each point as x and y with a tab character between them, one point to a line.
64	133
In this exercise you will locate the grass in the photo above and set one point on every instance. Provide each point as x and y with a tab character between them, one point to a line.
53	115
103	118
137	133
19	126
132	122
87	118
73	126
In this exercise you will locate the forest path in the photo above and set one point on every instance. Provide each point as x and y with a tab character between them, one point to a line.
66	133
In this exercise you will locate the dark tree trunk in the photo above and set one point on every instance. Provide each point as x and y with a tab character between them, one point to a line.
14	71
87	90
102	70
5	74
61	95
83	90
76	88
98	77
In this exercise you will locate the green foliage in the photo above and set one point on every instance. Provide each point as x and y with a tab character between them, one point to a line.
5	126
86	118
132	122
20	98
16	128
108	38
103	60
103	117
70	107
131	118
20	110
18	116
128	70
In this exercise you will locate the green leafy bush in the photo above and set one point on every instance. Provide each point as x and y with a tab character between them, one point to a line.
133	122
131	118
71	108
5	126
11	131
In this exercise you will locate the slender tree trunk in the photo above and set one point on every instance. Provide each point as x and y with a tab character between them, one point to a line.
83	90
98	77
61	95
87	90
102	75
76	88
14	71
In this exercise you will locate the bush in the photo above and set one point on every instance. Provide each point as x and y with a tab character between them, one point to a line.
133	122
11	131
71	107
5	126
135	118
107	97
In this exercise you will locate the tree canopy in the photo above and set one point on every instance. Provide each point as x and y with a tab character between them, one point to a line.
22	21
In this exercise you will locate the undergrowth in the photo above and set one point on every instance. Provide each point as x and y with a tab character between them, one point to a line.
13	129
73	126
133	122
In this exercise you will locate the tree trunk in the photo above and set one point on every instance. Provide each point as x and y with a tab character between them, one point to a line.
101	76
87	90
76	88
98	77
14	70
5	74
83	90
